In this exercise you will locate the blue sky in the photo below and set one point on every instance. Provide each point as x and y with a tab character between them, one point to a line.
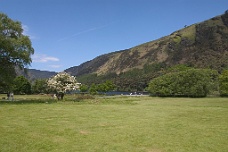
66	33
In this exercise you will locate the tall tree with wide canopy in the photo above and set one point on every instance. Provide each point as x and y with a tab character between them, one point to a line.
15	50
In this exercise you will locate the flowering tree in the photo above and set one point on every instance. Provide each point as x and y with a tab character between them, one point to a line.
61	83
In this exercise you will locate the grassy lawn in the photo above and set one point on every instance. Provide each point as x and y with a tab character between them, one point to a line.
120	124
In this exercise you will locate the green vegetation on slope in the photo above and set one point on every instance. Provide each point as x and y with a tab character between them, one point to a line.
132	80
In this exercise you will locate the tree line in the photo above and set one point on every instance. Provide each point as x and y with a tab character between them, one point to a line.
179	81
21	85
161	80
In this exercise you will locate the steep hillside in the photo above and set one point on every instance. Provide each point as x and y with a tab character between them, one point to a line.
33	74
203	45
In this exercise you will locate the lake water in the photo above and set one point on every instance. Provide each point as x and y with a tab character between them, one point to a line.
126	93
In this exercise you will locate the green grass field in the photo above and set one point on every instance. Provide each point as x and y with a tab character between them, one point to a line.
120	124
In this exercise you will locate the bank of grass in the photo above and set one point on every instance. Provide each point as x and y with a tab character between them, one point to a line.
135	124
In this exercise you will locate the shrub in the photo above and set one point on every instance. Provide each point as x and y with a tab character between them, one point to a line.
188	83
223	83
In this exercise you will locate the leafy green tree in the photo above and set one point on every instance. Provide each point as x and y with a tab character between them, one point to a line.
39	86
105	87
109	86
15	50
223	83
190	83
93	89
22	85
83	88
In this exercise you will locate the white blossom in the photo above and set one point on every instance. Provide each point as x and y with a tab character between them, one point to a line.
63	82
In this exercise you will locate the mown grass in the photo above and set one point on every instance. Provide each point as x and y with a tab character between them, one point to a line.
135	124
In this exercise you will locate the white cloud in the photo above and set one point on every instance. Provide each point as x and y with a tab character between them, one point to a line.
85	31
43	58
55	66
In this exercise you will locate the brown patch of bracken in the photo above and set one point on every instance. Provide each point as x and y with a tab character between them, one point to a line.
84	132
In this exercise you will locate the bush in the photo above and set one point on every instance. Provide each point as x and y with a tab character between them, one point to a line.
188	83
223	83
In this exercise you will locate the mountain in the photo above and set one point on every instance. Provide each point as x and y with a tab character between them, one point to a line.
201	45
32	74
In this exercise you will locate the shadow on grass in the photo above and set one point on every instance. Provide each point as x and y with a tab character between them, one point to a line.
80	98
30	101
